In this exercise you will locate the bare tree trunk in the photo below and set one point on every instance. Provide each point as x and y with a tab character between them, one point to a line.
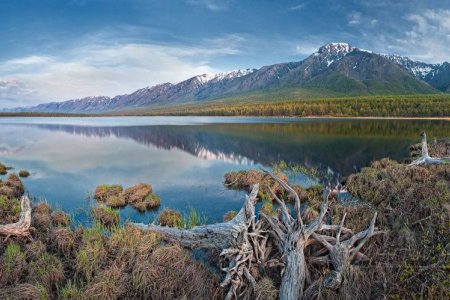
294	277
22	227
425	158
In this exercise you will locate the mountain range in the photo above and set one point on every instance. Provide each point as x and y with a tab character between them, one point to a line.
336	69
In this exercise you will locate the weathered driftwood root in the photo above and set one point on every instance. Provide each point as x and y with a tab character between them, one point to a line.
248	244
291	236
241	240
22	227
425	158
343	249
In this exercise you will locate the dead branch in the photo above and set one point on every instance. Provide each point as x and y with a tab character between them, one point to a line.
22	227
425	158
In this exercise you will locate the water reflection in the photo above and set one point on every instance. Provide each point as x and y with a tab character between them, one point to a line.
185	163
341	146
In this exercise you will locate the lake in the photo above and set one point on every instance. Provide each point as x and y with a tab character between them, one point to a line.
185	158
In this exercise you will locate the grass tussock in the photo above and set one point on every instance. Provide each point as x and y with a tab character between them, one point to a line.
60	219
3	169
24	173
102	192
245	179
168	272
99	262
47	270
106	215
171	218
413	206
139	196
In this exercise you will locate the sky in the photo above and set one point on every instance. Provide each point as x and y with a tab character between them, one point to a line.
54	50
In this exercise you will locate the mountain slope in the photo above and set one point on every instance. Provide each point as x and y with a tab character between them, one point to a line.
336	69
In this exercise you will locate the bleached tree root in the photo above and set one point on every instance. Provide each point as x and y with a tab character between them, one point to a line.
22	227
248	244
425	158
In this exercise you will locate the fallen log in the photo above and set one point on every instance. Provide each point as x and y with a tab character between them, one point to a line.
22	227
425	158
212	236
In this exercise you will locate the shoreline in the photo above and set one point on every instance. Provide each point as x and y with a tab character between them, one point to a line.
27	115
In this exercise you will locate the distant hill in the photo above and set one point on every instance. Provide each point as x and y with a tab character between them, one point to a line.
336	69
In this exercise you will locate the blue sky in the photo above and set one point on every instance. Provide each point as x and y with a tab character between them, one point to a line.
54	50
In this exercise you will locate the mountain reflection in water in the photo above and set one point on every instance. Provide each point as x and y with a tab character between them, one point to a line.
341	146
185	158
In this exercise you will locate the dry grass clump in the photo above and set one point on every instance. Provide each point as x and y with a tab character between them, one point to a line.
139	196
3	169
47	271
102	192
12	187
60	218
23	291
42	208
245	179
169	273
109	284
128	243
116	201
171	218
24	173
35	249
229	215
137	193
265	289
106	215
62	241
41	218
413	205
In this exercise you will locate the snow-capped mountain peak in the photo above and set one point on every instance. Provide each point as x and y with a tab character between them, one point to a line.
335	49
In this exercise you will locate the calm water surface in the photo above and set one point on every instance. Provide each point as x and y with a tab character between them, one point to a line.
184	158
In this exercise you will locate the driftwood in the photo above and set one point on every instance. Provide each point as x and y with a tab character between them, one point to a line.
249	244
425	158
22	227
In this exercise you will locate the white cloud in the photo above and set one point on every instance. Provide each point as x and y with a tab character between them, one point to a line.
15	93
214	5
354	18
109	69
307	48
298	7
428	38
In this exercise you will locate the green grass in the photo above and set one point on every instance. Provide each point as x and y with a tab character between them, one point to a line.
12	253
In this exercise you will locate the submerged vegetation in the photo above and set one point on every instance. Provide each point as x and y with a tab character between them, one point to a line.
410	260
